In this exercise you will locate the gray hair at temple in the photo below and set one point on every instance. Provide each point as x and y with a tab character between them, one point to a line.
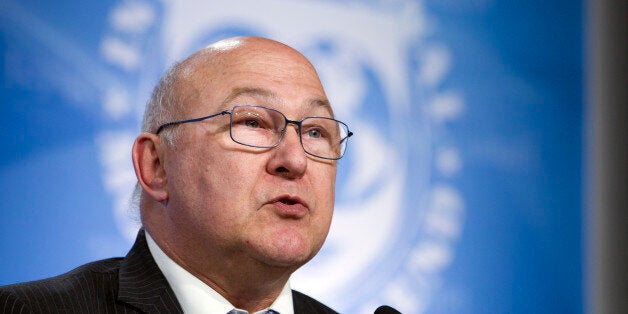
161	106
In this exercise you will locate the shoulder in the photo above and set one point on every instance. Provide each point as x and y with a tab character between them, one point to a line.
69	292
306	304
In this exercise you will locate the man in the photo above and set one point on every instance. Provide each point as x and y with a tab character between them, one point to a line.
237	167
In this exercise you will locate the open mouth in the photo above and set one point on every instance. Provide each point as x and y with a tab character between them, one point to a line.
290	206
288	201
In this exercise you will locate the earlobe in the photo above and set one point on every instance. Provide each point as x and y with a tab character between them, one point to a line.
149	167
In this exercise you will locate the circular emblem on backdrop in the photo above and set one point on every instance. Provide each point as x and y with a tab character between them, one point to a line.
397	216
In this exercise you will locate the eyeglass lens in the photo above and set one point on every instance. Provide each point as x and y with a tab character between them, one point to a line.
264	127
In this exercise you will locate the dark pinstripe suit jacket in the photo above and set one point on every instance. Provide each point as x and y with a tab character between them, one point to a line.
133	284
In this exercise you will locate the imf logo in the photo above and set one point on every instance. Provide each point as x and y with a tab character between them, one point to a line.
397	215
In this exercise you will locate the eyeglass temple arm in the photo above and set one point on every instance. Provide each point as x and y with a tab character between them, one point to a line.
165	125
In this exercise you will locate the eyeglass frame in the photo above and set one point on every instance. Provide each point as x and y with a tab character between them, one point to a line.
283	131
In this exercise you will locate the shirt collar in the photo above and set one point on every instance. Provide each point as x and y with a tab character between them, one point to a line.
195	296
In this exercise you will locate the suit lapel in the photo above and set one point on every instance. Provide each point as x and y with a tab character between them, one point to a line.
305	304
142	284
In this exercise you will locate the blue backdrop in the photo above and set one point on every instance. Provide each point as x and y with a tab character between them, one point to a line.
466	167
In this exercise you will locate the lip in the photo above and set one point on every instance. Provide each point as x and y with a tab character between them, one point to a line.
290	206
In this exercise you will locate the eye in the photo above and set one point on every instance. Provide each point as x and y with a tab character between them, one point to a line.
314	133
252	123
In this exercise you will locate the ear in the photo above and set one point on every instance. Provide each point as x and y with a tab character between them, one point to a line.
149	166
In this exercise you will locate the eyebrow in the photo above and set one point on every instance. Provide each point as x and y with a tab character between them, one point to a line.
265	93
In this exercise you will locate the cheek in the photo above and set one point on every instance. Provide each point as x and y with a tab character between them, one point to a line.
207	180
218	198
229	183
324	187
325	184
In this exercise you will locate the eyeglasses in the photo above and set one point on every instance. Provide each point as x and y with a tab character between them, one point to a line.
262	127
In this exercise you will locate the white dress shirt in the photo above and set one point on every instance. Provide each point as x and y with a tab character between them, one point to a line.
195	296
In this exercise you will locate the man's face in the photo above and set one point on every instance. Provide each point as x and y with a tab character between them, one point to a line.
272	206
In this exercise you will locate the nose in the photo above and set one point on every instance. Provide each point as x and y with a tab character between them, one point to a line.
289	159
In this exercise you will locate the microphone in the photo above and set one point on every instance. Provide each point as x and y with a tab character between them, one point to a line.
385	309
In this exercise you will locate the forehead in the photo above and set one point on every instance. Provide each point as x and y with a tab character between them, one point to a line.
280	76
267	97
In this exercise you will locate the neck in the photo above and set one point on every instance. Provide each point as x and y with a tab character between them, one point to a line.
245	282
249	289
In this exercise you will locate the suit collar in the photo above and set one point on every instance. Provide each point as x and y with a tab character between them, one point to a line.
142	284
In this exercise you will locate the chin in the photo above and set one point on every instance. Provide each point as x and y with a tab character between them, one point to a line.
286	262
291	252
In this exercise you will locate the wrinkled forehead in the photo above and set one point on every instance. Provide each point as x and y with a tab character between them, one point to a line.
260	96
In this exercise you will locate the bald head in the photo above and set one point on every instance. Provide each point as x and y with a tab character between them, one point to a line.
192	80
231	49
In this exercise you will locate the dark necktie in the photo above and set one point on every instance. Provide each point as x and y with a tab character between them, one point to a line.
236	311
